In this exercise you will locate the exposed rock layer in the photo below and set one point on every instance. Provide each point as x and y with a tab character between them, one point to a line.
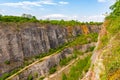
42	68
32	40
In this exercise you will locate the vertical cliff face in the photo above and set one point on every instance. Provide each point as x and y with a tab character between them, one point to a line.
57	35
10	50
32	40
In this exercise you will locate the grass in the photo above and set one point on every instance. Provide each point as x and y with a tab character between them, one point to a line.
76	71
65	61
112	61
113	26
85	39
41	78
111	54
6	75
77	52
104	41
90	49
30	77
52	70
64	77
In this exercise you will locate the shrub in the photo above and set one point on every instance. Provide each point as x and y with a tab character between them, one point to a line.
52	70
90	49
65	61
41	78
104	41
77	70
7	62
30	77
64	77
4	76
77	52
36	74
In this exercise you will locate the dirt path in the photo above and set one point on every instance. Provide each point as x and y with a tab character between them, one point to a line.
58	75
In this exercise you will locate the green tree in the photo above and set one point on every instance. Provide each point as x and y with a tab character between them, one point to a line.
115	8
0	15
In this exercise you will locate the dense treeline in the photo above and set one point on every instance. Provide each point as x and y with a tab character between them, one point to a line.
17	19
47	21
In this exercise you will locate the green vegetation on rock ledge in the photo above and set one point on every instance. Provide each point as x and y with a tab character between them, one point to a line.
30	77
84	39
52	70
78	70
65	61
7	62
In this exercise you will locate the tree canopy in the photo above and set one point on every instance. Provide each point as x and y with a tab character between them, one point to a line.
115	8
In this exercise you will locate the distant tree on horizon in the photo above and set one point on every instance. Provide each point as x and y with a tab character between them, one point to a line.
28	16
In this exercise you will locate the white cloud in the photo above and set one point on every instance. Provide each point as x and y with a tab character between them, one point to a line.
101	0
47	2
28	4
54	16
62	2
112	1
58	17
95	18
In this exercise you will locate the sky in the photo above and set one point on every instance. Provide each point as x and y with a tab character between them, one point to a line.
81	10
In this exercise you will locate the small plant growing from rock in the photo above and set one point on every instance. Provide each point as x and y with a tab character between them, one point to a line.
36	74
64	77
52	70
7	62
41	78
30	77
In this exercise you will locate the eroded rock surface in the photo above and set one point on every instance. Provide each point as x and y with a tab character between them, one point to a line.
32	40
42	68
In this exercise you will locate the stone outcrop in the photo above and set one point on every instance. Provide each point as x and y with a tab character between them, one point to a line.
31	40
42	68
